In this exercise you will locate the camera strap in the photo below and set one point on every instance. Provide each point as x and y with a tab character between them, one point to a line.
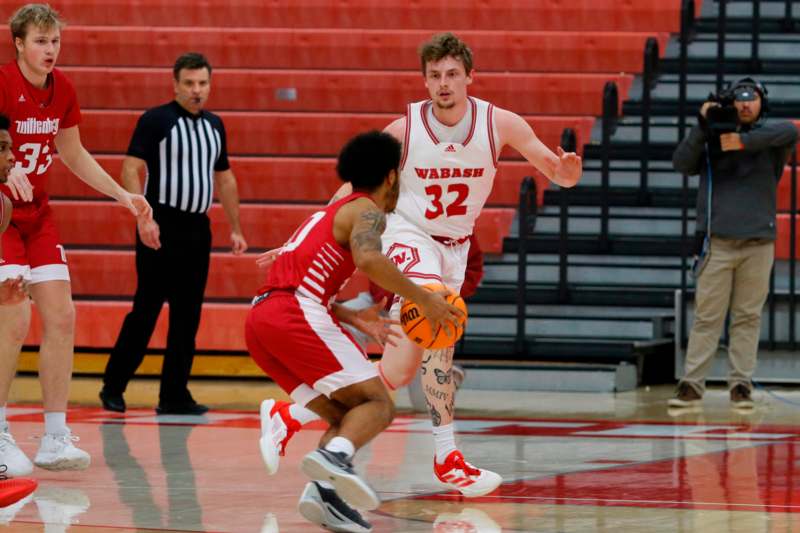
701	258
708	198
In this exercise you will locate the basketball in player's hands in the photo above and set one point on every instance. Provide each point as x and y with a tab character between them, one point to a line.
418	328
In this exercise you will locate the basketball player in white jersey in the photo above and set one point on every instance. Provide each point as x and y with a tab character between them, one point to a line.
451	143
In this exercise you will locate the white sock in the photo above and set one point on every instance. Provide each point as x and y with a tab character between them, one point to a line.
3	421
444	442
302	415
55	423
341	444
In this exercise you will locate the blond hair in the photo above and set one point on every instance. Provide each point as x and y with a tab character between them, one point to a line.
40	15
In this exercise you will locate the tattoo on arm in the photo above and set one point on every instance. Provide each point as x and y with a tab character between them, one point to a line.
367	231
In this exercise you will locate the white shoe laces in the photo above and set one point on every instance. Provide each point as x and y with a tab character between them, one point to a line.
279	429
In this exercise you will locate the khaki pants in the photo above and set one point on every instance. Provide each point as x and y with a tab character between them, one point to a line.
736	276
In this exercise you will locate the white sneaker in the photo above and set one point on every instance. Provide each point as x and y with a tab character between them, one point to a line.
10	455
57	452
275	433
59	506
458	474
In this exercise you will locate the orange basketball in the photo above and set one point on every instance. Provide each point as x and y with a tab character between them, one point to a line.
418	329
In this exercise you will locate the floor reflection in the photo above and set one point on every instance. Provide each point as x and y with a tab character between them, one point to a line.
182	510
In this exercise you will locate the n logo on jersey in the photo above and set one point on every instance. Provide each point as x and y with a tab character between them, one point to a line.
450	148
403	256
21	98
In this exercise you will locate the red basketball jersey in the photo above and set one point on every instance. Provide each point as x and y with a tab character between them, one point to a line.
311	261
36	117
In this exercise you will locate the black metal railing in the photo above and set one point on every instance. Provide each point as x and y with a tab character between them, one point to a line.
649	80
569	143
722	19
792	249
788	24
687	33
610	117
755	31
526	226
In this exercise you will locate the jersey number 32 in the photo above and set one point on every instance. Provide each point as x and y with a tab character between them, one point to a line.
455	206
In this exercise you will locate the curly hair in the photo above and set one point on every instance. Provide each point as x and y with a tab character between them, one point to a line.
444	45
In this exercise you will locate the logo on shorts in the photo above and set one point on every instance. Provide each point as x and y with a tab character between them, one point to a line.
403	256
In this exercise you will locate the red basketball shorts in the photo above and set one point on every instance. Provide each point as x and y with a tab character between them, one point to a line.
301	346
32	249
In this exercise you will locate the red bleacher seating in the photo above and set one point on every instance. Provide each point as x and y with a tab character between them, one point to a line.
289	179
581	52
433	15
293	133
221	326
113	273
343	91
267	225
785	191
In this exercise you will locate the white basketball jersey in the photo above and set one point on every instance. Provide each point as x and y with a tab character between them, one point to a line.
443	185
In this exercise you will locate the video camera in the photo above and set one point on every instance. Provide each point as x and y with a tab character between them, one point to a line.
722	118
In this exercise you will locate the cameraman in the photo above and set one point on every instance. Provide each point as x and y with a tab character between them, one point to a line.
746	163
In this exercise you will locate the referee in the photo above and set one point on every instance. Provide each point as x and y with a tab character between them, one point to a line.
182	149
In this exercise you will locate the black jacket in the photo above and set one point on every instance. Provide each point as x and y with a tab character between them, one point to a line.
744	182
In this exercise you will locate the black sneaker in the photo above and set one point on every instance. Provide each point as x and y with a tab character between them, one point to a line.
741	397
335	467
323	507
685	396
112	402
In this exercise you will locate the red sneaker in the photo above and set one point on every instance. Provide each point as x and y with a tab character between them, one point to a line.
13	490
277	428
470	481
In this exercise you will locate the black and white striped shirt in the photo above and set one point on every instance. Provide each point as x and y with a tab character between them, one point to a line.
182	152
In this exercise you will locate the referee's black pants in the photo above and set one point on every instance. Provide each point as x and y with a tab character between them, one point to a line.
175	273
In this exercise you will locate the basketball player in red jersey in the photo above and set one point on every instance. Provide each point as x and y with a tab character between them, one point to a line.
44	113
12	291
293	330
451	143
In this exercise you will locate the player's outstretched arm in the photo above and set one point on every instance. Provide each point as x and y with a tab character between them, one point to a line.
562	168
368	223
83	165
149	231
